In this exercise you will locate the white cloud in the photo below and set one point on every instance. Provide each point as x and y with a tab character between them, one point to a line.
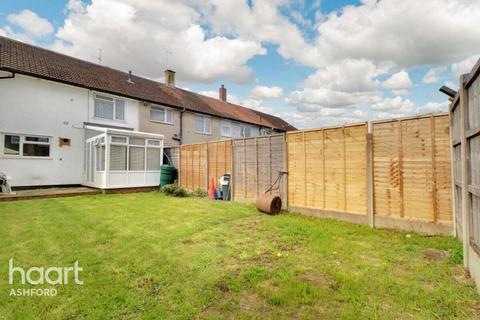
349	83
464	66
433	107
314	99
402	34
139	34
31	23
348	75
399	83
261	21
395	105
263	92
433	75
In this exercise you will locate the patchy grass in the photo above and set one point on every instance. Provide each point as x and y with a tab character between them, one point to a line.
150	256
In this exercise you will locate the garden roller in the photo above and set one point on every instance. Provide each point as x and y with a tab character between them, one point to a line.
268	202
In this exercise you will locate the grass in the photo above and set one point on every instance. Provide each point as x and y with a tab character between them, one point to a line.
149	256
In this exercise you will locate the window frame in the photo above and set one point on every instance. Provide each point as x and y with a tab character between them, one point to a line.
204	117
242	131
105	97
22	142
165	111
226	123
127	144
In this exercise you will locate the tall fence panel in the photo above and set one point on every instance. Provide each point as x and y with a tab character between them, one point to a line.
202	161
465	121
257	163
411	169
327	171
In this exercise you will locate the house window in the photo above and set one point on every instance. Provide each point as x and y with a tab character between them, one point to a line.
26	145
159	114
245	131
203	124
266	131
153	155
109	108
135	154
226	128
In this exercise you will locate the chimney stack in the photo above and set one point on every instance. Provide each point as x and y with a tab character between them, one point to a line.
222	92
170	78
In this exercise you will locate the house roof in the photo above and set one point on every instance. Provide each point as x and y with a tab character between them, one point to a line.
21	58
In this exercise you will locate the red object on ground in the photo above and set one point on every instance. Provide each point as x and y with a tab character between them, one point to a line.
212	189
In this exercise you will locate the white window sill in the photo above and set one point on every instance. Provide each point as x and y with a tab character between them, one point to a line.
162	122
204	133
106	119
25	158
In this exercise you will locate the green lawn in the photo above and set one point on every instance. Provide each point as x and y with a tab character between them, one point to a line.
149	256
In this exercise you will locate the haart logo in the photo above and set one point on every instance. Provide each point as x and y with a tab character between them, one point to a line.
40	276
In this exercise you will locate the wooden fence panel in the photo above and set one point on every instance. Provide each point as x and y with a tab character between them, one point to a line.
202	161
296	169
315	169
257	163
388	197
356	169
465	122
327	169
411	169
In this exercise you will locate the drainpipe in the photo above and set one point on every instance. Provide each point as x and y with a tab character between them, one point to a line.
180	134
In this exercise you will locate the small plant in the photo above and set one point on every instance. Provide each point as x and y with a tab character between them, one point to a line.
200	193
174	190
456	255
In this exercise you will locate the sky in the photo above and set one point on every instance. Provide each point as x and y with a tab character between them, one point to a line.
313	63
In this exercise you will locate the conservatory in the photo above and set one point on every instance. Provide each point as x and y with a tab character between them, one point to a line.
117	158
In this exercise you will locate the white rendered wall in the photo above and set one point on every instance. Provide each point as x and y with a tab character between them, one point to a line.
39	107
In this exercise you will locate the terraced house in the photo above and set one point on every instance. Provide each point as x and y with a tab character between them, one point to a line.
69	121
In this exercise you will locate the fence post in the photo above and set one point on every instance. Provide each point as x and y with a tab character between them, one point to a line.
256	166
232	173
370	204
285	166
180	170
304	169
464	168
206	167
452	173
434	170
245	170
400	168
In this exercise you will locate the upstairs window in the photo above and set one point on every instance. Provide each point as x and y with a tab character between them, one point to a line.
159	114
203	124
26	145
226	128
109	108
266	131
245	131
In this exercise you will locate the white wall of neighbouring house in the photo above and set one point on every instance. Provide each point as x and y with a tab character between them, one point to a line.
32	106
